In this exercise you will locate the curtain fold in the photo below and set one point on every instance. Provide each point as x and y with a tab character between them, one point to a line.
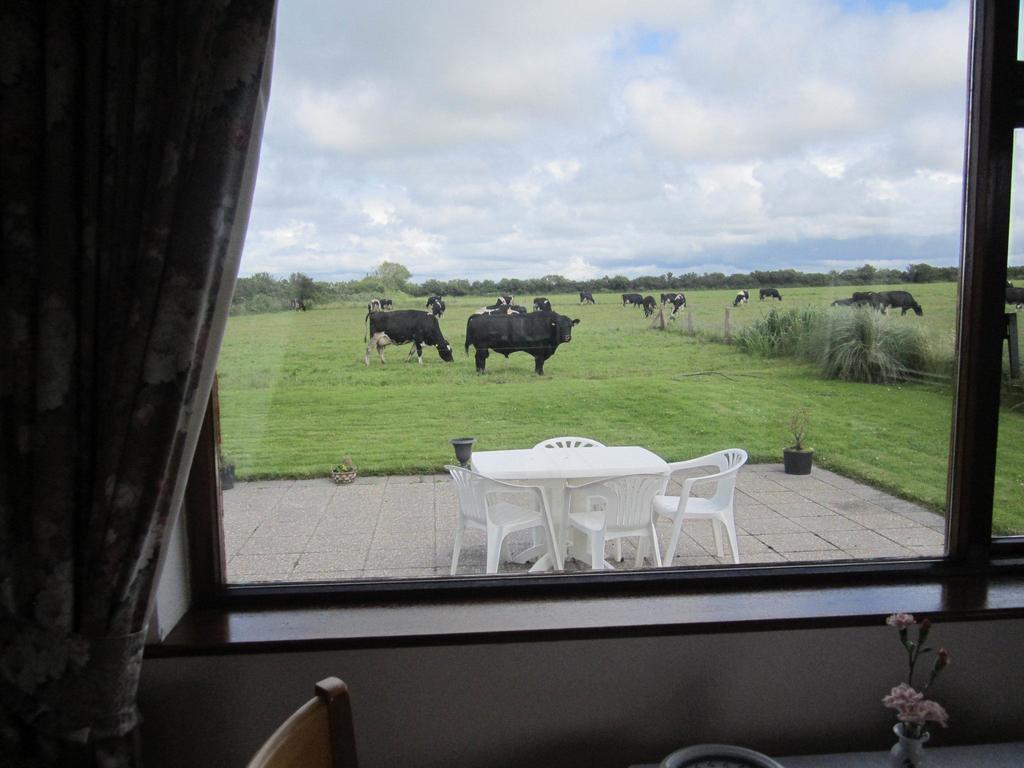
128	138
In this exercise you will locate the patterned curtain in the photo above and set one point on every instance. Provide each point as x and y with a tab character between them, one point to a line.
128	138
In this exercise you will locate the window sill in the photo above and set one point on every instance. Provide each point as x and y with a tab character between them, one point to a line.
704	608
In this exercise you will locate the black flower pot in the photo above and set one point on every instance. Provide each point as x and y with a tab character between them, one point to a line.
227	477
463	449
797	462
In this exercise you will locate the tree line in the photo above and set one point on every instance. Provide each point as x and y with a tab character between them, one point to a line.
264	293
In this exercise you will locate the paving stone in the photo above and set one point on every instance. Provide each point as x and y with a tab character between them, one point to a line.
861	540
252	565
319	542
777	499
882	521
263	577
817	555
759	557
765	525
806	509
794	542
275	545
926	518
346	560
918	536
693	561
418	557
855	506
831	522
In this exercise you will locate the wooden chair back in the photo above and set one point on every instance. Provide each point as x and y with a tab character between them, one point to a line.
317	735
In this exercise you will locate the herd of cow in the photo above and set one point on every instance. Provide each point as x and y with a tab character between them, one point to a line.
506	327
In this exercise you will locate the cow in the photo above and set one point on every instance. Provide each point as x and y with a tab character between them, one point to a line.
1015	296
373	306
882	300
678	301
298	305
771	293
436	306
742	297
403	326
845	303
541	304
586	297
505	299
632	298
668	297
387	304
538	334
861	297
649	304
501	309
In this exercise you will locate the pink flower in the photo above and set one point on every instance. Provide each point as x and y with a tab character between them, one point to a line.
901	620
912	707
933	712
942	659
902	697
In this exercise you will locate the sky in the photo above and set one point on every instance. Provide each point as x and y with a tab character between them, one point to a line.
477	139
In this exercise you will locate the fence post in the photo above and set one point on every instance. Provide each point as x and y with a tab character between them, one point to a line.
728	333
1013	346
659	319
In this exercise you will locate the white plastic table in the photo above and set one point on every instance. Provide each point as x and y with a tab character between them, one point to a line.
554	468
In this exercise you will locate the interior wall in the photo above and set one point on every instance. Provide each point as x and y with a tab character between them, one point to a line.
608	702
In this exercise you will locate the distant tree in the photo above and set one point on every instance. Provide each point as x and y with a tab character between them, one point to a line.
391	275
301	287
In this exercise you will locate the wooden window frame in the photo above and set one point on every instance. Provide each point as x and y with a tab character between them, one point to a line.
995	109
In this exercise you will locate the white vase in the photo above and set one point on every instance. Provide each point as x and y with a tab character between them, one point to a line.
908	752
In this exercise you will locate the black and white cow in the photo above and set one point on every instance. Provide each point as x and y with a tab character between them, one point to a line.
1015	296
403	326
586	297
435	304
649	304
770	293
903	300
537	334
632	298
851	302
541	304
505	299
373	306
298	305
678	301
741	298
387	304
501	309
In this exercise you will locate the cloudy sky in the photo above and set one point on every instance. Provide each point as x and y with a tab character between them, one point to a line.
484	139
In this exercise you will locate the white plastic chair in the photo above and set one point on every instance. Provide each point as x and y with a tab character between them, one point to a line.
628	511
498	517
569	442
718	509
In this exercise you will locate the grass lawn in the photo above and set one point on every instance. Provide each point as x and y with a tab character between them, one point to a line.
296	396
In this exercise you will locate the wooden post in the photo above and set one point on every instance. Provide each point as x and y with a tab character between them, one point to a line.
689	322
728	332
1013	344
659	319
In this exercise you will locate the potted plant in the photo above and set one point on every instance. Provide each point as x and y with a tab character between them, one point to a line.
344	471
797	459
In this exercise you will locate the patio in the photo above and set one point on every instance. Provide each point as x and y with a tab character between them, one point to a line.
402	527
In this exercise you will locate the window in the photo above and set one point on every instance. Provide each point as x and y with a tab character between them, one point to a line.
972	461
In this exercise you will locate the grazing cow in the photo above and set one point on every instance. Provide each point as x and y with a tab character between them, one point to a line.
771	293
298	304
373	306
678	301
845	303
436	306
505	299
586	297
1015	296
741	298
538	334
387	304
632	298
861	297
403	326
541	304
649	304
882	300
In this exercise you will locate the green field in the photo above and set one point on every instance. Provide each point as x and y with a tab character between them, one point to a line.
295	396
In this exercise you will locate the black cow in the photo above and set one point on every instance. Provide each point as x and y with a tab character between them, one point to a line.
1015	296
861	297
436	306
538	334
882	300
678	301
541	304
741	298
632	298
403	326
387	304
586	297
770	293
373	306
649	304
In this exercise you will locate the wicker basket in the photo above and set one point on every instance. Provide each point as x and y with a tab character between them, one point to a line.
343	476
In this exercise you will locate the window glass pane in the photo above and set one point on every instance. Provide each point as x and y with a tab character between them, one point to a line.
1008	507
812	159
